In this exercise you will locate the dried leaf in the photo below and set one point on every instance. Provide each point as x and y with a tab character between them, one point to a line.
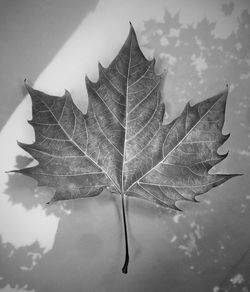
121	143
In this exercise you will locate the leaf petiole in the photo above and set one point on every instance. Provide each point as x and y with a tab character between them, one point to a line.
125	266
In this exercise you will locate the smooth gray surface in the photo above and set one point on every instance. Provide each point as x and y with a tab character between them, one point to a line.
208	245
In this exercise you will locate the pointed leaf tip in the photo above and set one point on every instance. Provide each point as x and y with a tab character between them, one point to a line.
226	90
26	83
52	201
237	174
87	80
66	93
100	67
28	87
132	30
13	171
177	208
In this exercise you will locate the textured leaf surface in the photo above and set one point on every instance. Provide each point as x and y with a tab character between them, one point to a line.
121	142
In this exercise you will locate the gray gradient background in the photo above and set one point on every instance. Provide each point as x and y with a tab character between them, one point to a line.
79	245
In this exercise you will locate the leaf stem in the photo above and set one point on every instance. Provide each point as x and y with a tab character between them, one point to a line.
125	266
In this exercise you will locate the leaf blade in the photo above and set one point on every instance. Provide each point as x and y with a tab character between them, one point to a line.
62	145
189	152
122	136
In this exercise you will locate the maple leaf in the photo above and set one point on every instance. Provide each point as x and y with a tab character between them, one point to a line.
121	142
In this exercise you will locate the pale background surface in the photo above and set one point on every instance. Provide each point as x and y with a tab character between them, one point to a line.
78	245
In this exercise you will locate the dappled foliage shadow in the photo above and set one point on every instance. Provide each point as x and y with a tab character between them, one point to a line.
23	190
17	264
200	65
